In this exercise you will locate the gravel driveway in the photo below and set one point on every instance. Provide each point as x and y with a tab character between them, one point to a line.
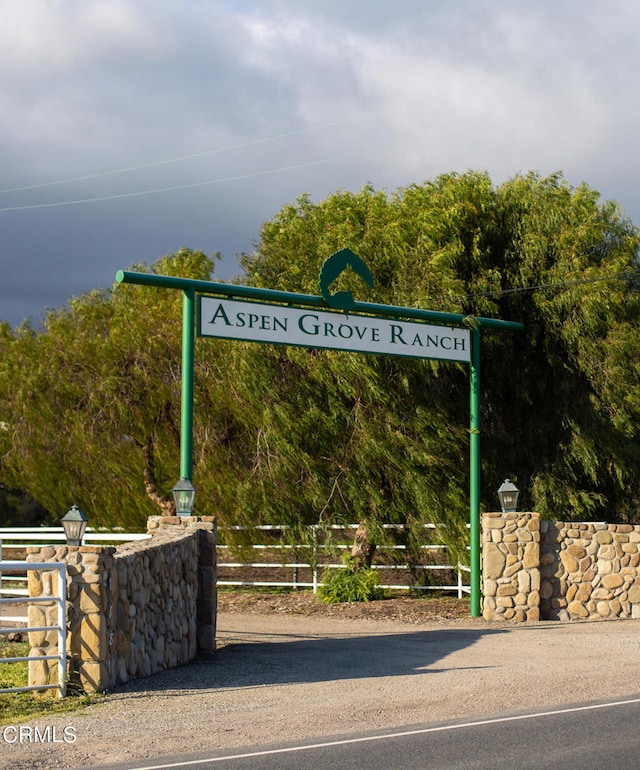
290	677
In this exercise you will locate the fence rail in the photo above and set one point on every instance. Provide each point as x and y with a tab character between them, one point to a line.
306	572
13	540
59	627
304	569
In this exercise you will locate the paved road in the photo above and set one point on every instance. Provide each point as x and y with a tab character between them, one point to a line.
297	679
583	737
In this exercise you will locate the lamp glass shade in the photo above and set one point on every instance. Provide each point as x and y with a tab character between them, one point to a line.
74	523
183	496
508	496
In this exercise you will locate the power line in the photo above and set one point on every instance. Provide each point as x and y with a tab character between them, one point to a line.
167	161
626	275
190	185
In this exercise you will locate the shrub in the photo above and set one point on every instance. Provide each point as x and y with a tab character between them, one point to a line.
351	584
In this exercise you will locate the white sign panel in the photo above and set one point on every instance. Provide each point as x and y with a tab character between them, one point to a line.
256	322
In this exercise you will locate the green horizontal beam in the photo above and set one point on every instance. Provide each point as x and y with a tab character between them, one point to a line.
311	300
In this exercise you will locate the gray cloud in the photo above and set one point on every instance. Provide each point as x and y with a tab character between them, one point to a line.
412	89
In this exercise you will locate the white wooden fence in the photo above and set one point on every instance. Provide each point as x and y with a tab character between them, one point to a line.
15	539
277	560
306	573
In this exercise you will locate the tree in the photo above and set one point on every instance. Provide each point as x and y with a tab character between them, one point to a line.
575	399
560	402
295	436
91	402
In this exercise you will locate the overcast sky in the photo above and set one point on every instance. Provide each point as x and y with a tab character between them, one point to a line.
130	128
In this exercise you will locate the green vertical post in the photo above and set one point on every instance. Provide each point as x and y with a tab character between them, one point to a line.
474	475
186	396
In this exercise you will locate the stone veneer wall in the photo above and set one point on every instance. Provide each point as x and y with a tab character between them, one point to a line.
510	566
569	571
590	570
131	610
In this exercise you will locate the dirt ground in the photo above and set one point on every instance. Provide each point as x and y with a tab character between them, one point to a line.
290	669
403	609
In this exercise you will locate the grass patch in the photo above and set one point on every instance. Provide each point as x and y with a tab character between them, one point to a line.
19	706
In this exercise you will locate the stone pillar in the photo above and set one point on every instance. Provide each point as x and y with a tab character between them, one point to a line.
90	623
89	620
42	584
511	566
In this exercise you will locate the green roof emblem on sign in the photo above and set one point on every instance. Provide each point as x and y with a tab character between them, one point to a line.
333	267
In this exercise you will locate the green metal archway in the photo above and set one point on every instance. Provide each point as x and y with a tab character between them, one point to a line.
372	311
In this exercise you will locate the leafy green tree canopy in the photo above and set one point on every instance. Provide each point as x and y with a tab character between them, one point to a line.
89	405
